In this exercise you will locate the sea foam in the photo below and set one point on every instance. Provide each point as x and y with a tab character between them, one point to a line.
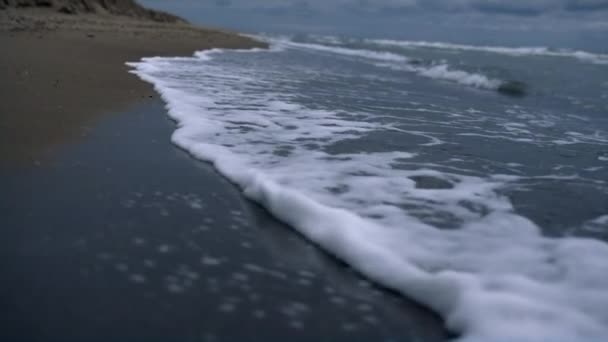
496	278
446	73
376	55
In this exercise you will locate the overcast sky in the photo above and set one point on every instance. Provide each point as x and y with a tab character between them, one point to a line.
559	23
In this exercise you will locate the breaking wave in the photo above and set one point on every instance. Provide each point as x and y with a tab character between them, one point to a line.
517	51
438	71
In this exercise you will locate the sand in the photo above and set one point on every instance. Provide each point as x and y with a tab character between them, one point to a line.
59	72
124	237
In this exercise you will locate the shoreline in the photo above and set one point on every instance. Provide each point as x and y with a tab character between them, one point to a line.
113	233
61	71
125	237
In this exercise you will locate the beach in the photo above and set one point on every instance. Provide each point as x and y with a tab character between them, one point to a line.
113	233
60	71
164	181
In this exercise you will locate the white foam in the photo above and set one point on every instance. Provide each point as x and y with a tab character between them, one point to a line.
597	225
444	72
601	220
493	279
517	51
326	39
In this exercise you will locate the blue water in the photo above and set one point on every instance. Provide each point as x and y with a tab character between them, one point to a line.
471	179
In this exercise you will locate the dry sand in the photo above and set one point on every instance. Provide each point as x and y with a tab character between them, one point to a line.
59	72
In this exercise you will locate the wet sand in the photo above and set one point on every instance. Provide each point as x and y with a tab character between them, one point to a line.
123	237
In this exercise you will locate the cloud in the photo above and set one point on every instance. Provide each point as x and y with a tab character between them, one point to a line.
507	7
516	8
586	5
223	3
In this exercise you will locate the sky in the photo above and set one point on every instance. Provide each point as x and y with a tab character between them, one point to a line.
581	24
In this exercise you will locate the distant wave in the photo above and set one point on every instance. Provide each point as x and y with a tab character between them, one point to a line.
378	55
517	51
439	71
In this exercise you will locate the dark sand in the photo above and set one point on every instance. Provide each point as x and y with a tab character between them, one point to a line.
110	233
123	237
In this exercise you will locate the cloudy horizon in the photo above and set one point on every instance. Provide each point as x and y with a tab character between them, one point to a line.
579	24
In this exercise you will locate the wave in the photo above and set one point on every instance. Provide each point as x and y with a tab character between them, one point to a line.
446	73
439	71
517	51
371	54
495	279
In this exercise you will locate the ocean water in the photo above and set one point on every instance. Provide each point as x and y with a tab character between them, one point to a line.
472	179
